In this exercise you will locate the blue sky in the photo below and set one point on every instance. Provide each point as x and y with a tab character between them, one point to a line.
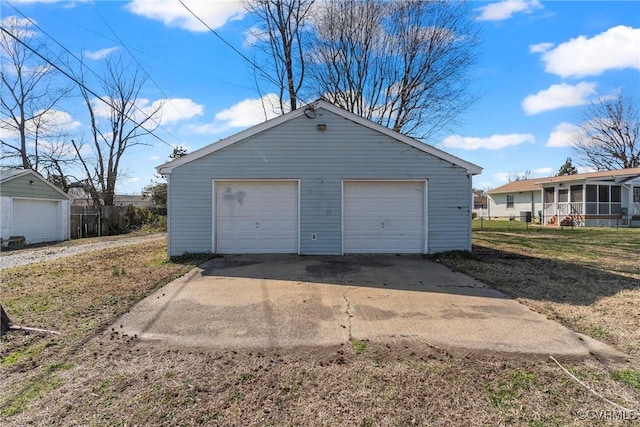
540	64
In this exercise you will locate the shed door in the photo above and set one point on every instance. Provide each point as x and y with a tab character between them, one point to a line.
36	220
384	217
256	217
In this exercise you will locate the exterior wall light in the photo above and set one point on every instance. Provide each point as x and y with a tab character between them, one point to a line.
321	127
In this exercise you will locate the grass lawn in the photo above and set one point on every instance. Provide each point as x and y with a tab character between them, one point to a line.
586	278
93	375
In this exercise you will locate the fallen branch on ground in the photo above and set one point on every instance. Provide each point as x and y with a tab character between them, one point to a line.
587	387
26	328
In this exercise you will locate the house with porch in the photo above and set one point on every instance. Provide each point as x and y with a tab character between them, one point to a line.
595	199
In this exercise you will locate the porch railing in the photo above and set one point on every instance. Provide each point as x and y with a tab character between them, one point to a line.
636	209
562	210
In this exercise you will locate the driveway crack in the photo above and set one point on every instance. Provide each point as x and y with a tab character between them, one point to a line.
348	312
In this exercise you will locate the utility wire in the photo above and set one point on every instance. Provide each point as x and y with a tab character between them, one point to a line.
242	55
141	67
148	55
75	80
81	84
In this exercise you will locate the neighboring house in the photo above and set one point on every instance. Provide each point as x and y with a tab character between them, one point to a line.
136	200
32	207
319	180
480	206
593	199
515	197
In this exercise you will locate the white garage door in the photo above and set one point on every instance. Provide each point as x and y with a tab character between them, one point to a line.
384	217
36	220
256	217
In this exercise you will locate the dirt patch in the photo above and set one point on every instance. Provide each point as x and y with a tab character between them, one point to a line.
115	379
93	374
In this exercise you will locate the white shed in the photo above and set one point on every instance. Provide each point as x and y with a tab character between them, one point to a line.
32	207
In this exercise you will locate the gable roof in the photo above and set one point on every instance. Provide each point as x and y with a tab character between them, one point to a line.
166	168
7	175
517	186
620	175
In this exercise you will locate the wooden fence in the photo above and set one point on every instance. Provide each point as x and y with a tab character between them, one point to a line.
91	221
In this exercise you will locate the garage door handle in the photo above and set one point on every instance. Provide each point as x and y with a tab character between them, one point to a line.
382	224
257	225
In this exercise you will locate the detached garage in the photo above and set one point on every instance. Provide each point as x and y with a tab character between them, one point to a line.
32	207
319	180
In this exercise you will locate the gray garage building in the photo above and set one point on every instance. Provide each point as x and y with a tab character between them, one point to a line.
319	180
32	207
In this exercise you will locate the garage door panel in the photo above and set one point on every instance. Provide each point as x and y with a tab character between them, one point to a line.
257	217
37	220
383	217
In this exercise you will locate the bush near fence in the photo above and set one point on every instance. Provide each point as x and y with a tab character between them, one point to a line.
91	221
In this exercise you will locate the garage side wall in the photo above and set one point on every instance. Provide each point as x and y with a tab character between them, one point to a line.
321	160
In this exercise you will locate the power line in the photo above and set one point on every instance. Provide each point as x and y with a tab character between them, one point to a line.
141	67
82	84
148	55
242	55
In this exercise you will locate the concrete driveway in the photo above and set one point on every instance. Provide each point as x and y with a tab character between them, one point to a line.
280	301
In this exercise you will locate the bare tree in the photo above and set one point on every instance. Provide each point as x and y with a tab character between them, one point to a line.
609	136
282	25
520	176
117	123
30	125
404	64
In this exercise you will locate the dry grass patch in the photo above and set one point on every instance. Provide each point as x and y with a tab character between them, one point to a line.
124	382
94	375
77	296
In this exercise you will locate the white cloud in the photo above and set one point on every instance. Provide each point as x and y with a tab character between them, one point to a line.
15	21
154	158
250	112
586	169
502	176
60	120
540	47
172	14
542	171
558	96
253	36
562	135
175	109
171	110
244	114
493	142
19	27
505	9
100	54
49	122
617	48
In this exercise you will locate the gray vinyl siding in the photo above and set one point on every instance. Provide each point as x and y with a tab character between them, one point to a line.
20	187
321	160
